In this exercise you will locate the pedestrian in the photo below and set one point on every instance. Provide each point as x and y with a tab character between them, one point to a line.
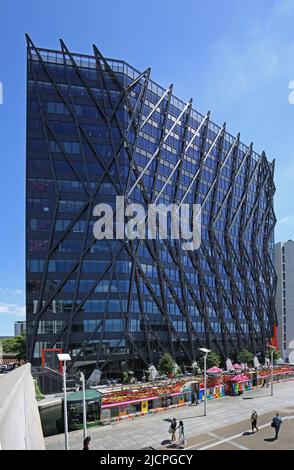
196	398
86	443
265	383
276	423
172	429
254	421
192	398
181	433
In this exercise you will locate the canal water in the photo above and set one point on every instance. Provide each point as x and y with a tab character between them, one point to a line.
49	415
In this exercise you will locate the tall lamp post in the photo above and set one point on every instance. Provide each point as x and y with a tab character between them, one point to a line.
205	351
65	358
272	348
82	376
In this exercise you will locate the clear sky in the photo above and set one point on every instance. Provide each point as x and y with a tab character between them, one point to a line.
233	57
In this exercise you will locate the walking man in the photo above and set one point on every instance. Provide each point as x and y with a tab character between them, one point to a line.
173	428
276	423
196	399
254	421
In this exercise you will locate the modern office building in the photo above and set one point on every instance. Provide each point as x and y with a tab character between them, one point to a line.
284	266
19	327
97	128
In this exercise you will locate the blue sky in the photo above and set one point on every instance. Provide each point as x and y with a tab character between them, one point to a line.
233	57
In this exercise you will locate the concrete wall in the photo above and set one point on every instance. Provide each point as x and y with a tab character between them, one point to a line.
20	425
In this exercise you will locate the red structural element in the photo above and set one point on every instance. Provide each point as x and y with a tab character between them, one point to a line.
52	350
274	340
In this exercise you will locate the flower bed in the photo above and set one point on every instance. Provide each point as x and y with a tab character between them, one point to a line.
152	399
149	392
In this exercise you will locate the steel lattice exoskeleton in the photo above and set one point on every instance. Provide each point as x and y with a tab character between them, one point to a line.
97	128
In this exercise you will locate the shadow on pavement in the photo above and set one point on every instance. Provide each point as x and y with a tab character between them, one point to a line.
193	417
165	442
254	398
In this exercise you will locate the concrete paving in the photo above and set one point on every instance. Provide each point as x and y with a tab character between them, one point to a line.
240	437
227	418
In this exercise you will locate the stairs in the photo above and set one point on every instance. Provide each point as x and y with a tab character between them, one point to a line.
51	381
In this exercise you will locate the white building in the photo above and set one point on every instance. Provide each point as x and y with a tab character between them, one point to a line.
284	265
19	327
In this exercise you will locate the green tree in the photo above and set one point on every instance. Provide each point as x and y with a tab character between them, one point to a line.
277	353
213	360
245	356
166	364
38	393
16	345
125	377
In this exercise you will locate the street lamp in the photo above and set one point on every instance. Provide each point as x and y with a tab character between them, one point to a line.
82	376
64	358
205	351
272	348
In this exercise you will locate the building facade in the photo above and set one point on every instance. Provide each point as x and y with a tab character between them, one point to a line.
19	327
97	129
284	266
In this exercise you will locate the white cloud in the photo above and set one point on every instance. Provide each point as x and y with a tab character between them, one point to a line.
8	290
263	54
12	309
288	219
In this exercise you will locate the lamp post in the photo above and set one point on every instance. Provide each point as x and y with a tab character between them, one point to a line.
84	405
205	351
272	348
65	358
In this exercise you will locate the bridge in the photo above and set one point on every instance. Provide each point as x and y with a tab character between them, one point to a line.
20	425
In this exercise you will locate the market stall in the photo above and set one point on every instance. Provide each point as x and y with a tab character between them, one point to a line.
75	410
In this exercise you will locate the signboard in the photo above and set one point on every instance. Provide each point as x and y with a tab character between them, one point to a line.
144	406
106	415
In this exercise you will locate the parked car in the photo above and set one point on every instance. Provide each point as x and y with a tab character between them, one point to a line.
6	367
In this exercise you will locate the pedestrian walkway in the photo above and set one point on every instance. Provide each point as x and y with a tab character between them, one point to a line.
240	437
223	413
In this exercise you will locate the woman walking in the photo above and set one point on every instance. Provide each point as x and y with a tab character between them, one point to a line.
254	421
181	433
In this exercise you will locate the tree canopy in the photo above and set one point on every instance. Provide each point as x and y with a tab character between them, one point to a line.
277	353
166	364
245	356
16	345
213	359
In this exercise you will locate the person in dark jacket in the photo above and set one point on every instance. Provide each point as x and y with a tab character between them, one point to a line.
173	428
254	421
86	443
276	423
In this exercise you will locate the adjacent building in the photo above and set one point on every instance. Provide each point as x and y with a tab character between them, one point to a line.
19	327
284	265
98	128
